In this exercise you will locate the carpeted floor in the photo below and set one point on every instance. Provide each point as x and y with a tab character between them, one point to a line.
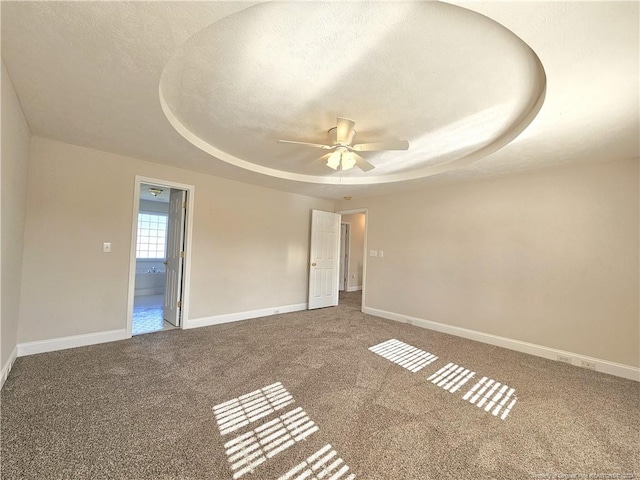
143	408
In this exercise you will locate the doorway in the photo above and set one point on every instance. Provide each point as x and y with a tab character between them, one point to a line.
159	271
344	257
353	245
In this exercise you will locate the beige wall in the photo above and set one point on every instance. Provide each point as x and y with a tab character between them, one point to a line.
549	258
250	244
15	161
356	248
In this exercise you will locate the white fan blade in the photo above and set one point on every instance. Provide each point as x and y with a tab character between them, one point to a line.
380	146
345	132
362	163
314	145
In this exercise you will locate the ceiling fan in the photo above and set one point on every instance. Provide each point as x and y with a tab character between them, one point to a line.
344	154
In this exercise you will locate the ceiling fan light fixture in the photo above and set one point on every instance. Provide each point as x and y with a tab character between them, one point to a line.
155	191
348	160
334	160
342	159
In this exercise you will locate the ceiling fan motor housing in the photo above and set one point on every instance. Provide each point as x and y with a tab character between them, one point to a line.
332	135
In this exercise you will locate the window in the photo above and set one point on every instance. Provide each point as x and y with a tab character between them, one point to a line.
152	235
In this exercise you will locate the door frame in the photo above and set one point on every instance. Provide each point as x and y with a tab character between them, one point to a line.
364	248
186	274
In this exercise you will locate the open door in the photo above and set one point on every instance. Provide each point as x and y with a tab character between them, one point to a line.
175	257
324	265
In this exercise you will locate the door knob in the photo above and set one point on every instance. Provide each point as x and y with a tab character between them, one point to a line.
313	264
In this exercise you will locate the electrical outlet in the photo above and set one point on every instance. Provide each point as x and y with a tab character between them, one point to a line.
589	365
564	359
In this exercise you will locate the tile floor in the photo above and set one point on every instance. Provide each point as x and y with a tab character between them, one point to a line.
147	315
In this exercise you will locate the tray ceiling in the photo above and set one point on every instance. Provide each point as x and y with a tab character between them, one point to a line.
212	86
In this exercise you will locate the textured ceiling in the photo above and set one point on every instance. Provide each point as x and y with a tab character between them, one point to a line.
458	84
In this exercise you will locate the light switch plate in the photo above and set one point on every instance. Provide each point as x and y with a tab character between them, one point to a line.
381	253
373	253
106	247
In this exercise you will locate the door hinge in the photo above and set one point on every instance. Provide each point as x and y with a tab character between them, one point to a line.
181	254
184	204
179	303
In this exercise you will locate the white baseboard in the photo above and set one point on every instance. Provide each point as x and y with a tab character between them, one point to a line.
62	343
605	366
8	365
354	289
236	317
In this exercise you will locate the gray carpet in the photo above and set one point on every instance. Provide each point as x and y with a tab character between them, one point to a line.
143	408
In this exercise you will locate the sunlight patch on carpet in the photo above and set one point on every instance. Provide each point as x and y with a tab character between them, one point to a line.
403	354
451	377
492	396
253	406
250	449
321	464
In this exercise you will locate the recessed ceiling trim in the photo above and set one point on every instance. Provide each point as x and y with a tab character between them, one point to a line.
496	145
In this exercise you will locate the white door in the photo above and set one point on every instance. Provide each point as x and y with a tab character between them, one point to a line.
175	257
324	259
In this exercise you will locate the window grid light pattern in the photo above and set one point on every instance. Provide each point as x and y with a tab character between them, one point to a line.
320	465
250	449
493	396
152	236
451	377
253	406
403	354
